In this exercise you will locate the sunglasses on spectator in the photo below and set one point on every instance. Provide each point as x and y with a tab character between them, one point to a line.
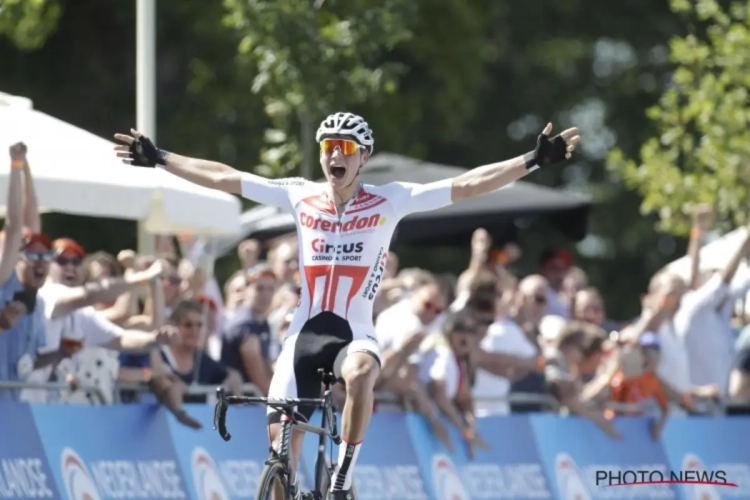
192	324
431	306
45	256
347	147
466	328
252	277
540	299
73	261
211	303
486	321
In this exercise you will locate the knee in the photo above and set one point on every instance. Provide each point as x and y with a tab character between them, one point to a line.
360	373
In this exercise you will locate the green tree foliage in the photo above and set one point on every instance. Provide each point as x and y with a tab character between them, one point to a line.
701	147
29	22
462	82
309	57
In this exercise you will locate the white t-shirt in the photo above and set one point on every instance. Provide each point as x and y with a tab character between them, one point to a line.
506	337
394	324
674	366
440	363
704	331
342	258
84	324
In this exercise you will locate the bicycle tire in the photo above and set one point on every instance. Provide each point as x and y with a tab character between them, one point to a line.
274	469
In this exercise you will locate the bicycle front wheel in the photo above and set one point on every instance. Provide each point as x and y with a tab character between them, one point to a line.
275	477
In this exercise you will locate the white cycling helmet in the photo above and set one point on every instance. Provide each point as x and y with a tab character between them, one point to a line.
347	124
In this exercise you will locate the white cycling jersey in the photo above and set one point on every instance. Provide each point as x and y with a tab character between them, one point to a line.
342	258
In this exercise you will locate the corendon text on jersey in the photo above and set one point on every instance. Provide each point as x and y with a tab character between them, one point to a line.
357	223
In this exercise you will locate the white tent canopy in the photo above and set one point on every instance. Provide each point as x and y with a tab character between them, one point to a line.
78	173
714	255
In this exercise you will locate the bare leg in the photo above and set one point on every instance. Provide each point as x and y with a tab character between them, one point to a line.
360	371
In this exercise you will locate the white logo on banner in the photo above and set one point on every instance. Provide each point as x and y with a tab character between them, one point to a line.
445	479
569	480
208	485
78	481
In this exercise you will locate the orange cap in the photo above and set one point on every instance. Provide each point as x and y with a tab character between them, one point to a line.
67	245
30	238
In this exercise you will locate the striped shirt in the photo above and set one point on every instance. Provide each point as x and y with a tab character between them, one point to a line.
25	338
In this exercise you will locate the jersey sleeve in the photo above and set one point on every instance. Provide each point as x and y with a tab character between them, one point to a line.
411	198
275	192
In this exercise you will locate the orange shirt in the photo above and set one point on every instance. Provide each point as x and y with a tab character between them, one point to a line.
635	390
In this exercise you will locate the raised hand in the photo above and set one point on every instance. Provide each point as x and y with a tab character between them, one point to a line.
560	147
139	150
18	152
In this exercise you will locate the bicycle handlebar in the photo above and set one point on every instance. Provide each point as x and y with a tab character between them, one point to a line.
220	414
223	402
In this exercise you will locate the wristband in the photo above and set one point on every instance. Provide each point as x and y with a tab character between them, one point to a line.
530	161
696	233
17	164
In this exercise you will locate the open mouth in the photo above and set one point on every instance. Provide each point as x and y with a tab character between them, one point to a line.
338	172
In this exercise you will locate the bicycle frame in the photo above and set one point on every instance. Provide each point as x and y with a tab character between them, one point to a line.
327	430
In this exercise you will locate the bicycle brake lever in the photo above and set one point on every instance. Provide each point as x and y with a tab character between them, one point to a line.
220	414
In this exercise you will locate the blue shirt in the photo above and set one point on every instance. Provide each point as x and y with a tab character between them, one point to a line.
236	331
25	338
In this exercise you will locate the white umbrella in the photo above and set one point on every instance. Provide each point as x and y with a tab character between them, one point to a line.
78	173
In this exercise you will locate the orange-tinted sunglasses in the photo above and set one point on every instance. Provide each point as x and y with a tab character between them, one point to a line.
347	147
432	307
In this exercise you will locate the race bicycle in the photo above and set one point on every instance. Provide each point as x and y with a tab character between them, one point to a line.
278	466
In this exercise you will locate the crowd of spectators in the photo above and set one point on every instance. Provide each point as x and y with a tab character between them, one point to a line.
133	327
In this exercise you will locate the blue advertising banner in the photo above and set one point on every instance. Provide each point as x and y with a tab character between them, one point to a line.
386	466
110	452
220	470
508	469
24	472
573	450
717	448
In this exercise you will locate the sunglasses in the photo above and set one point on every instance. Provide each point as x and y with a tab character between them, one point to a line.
73	261
207	301
173	280
45	256
540	299
486	321
432	307
347	147
466	329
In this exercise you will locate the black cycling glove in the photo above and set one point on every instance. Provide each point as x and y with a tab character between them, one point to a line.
547	152
145	153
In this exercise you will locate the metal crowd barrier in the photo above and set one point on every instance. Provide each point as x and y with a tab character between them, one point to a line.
546	401
6	385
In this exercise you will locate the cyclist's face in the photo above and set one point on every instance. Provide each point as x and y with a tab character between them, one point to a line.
341	169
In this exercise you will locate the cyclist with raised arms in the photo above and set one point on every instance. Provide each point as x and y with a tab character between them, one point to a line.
344	228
